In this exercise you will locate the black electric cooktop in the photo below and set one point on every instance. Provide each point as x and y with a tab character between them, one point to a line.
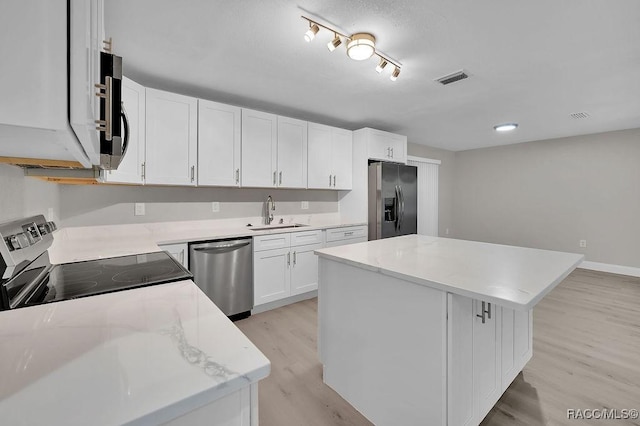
81	279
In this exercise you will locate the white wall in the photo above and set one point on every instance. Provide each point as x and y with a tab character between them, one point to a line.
114	204
20	196
551	194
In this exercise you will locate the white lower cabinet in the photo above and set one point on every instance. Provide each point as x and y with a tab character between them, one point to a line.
179	252
284	265
488	346
239	408
346	235
517	339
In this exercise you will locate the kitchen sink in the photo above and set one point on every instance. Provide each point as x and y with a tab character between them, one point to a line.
266	228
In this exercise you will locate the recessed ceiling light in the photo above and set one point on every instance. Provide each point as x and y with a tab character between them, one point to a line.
505	127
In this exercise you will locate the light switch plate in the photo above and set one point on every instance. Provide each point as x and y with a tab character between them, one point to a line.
139	209
304	205
215	206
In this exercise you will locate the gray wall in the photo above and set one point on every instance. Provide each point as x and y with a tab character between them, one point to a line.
20	196
114	204
446	175
551	194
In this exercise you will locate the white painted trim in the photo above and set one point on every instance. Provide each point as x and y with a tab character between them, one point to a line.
423	160
607	267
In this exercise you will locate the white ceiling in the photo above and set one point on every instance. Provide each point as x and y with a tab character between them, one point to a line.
532	62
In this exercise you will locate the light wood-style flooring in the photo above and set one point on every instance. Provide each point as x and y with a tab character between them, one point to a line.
586	355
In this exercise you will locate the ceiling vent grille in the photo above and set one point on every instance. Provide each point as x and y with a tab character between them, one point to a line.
579	115
452	78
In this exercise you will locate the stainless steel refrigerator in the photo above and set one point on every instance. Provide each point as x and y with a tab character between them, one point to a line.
393	200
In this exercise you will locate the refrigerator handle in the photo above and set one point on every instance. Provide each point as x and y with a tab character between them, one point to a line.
401	191
397	207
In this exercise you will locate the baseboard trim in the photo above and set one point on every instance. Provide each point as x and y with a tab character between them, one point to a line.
607	267
282	302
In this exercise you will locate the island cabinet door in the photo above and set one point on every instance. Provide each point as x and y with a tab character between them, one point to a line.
517	339
474	351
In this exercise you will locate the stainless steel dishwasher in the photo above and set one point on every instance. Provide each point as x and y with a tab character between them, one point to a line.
223	270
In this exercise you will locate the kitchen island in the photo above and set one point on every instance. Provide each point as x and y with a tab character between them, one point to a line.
418	330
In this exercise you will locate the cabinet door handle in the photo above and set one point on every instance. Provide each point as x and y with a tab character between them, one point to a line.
388	152
143	167
346	234
274	178
329	180
280	179
485	311
294	258
193	173
237	176
288	259
391	152
334	181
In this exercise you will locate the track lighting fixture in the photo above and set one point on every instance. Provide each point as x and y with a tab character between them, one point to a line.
311	32
360	46
381	65
334	43
395	74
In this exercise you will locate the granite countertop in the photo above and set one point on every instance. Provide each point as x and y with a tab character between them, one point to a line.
141	356
514	277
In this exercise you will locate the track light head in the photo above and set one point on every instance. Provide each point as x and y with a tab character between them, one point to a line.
333	44
311	32
381	65
395	74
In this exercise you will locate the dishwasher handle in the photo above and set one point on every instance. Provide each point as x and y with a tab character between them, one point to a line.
215	247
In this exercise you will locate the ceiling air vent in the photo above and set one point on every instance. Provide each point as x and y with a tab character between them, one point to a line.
452	78
579	115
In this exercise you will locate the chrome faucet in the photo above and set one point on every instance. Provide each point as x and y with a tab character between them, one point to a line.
268	217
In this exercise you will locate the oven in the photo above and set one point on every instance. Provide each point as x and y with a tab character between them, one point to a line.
29	278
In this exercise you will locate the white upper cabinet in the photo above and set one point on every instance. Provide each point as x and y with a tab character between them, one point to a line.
219	144
292	153
131	169
341	158
259	149
385	146
330	157
171	134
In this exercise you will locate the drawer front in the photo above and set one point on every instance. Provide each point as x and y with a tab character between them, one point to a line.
306	237
346	233
271	241
345	242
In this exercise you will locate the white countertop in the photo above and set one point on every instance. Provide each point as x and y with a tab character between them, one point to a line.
140	356
76	244
514	277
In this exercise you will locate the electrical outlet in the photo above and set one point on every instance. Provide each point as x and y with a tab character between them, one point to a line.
215	207
583	243
304	205
139	209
